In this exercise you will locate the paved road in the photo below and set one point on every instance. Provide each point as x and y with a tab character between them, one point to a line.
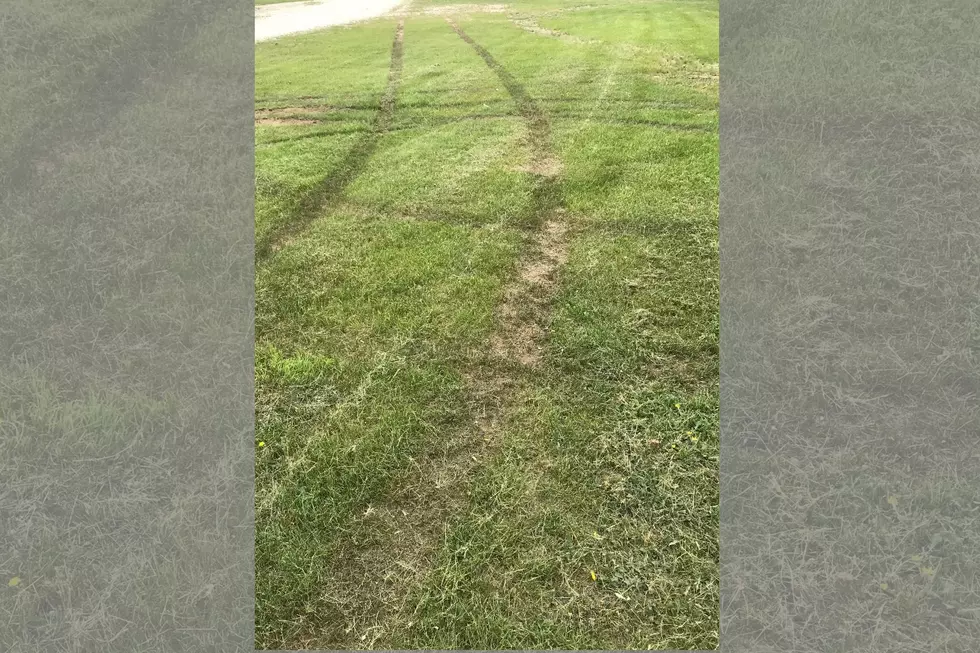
276	20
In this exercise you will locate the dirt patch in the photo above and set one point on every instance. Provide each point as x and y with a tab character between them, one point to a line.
529	25
524	312
284	121
289	115
544	167
296	111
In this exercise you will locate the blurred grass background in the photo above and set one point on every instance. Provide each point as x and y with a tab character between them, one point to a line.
849	339
126	326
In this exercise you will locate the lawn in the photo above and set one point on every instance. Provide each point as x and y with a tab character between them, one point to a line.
487	329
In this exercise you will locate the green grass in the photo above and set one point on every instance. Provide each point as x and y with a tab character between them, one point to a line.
412	489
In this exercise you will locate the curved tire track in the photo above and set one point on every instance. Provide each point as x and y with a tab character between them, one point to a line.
391	549
328	191
523	315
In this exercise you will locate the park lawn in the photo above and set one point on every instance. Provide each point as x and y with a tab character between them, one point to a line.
416	487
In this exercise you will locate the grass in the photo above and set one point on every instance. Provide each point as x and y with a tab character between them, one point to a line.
487	353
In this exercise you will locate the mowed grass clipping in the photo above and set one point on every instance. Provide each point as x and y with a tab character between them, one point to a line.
416	488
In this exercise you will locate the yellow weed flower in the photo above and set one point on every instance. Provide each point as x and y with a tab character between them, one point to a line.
261	444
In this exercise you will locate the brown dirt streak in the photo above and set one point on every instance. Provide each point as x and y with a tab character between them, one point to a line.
331	188
392	546
529	25
523	314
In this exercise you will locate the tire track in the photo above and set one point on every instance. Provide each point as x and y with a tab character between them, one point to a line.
539	129
391	548
523	314
528	25
622	122
327	192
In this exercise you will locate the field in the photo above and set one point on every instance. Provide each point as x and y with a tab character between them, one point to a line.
487	329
